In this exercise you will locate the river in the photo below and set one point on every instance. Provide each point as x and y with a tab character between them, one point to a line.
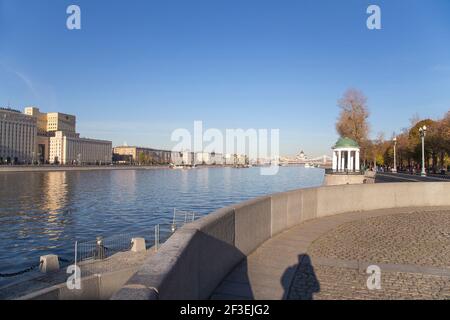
45	212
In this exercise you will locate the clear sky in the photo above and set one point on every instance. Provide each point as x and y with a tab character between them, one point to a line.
139	69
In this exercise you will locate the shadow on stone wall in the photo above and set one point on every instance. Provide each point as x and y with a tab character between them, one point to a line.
300	281
236	285
193	270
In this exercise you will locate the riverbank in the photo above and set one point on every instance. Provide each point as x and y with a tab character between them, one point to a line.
74	168
50	168
46	212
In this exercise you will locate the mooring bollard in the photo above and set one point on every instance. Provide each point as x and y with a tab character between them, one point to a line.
100	249
49	263
138	245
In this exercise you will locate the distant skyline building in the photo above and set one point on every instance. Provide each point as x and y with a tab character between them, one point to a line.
133	154
52	121
58	143
216	159
69	148
179	158
17	137
142	155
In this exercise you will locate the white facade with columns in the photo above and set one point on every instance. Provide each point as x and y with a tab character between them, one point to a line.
346	156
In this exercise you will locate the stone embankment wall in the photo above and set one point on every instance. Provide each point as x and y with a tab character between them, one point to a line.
198	256
339	179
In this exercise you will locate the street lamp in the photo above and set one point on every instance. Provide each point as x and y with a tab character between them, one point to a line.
423	133
394	170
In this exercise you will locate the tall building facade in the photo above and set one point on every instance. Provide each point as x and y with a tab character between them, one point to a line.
58	143
69	148
47	125
52	121
17	137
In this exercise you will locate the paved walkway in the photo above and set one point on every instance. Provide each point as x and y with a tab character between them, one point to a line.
388	177
327	258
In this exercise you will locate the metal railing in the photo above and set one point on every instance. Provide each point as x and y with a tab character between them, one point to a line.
106	254
345	172
181	217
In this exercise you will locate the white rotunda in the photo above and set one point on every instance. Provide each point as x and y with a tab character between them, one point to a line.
346	156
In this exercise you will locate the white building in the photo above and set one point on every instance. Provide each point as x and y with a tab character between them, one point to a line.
69	148
182	158
17	137
229	159
216	159
202	158
235	159
209	158
346	156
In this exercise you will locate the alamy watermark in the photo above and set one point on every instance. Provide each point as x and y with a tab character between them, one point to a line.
259	146
74	280
374	280
374	20
73	21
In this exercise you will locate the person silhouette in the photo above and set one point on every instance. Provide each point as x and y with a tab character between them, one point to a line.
304	276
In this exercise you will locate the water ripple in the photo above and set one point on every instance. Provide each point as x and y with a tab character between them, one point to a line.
45	212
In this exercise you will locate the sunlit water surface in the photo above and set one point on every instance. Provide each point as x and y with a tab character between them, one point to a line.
45	212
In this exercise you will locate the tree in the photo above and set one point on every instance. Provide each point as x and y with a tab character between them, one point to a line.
142	158
416	141
352	122
409	145
445	122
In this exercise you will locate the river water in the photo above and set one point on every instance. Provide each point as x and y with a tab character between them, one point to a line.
45	212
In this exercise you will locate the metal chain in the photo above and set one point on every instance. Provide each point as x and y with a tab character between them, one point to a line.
14	274
18	273
64	260
106	249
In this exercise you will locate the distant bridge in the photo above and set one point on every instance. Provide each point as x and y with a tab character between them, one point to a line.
321	160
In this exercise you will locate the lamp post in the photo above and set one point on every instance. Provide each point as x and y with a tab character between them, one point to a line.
423	133
394	170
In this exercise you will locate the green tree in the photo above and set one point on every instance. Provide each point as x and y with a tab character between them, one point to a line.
142	158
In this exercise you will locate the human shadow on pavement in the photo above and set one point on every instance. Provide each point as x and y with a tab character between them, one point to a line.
300	281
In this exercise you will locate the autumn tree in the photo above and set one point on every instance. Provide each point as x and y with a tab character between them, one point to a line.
352	122
409	145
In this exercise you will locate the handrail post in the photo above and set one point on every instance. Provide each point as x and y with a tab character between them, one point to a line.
157	237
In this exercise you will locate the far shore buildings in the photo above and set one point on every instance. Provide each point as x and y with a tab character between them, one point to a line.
149	156
36	137
132	154
17	136
69	148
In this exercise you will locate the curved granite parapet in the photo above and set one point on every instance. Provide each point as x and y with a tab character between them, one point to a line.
193	262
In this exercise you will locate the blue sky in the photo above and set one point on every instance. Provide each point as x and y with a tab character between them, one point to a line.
137	70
